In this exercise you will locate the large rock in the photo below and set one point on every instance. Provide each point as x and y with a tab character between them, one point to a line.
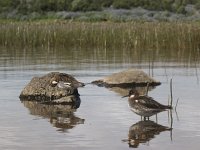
44	88
127	78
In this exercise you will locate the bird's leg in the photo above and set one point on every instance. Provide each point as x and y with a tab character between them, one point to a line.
156	118
145	118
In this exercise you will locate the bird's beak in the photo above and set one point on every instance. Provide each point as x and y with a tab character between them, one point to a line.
125	96
79	84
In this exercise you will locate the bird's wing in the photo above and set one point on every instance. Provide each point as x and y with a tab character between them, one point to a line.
149	102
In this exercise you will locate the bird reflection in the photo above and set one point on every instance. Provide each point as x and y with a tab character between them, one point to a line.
144	131
60	116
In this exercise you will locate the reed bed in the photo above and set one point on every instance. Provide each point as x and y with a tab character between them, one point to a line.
134	35
172	40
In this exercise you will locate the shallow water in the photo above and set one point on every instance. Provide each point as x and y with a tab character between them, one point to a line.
103	119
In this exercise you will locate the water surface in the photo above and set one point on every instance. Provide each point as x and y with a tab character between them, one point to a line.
103	119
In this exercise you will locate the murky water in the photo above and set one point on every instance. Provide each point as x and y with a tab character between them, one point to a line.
103	120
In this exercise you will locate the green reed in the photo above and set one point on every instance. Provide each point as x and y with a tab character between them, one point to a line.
135	35
137	39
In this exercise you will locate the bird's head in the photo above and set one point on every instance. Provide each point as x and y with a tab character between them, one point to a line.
132	93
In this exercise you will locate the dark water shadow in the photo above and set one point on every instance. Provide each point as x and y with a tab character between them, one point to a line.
60	116
143	132
143	90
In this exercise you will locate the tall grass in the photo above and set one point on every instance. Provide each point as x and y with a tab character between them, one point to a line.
111	41
135	35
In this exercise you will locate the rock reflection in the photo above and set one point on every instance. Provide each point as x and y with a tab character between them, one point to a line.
125	91
60	116
144	131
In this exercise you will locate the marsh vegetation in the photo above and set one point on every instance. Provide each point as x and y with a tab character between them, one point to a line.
135	35
109	41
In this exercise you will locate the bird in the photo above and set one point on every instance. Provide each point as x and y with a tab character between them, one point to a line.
66	82
144	105
63	80
62	84
68	87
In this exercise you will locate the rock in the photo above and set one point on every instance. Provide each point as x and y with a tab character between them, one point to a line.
46	88
127	78
71	99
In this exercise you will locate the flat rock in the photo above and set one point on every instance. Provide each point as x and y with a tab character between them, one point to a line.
127	78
